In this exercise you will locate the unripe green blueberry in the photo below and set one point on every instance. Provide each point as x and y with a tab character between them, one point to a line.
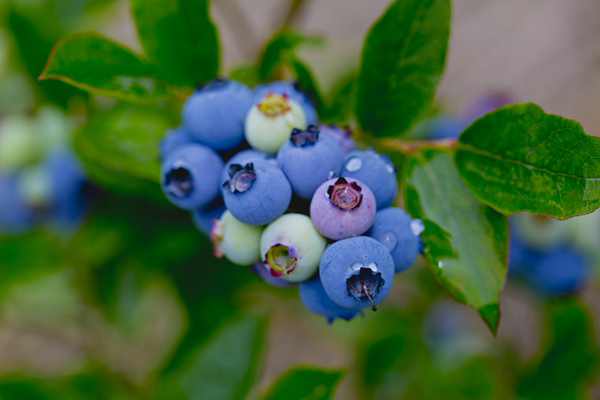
269	123
237	241
292	247
19	145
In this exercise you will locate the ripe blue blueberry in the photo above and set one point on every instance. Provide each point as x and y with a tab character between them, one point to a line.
559	271
69	188
357	272
214	114
309	159
172	140
374	170
190	176
204	217
256	193
293	91
399	233
292	247
16	217
314	297
237	241
340	135
271	120
341	208
243	158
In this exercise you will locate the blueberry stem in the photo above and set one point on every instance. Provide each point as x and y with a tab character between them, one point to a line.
362	283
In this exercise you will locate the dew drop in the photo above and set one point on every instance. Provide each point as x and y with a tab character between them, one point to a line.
356	266
354	164
373	267
389	239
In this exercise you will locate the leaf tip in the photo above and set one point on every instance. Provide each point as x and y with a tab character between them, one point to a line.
491	315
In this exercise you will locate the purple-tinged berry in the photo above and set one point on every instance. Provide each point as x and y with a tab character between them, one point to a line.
357	272
271	120
174	139
308	159
190	176
342	136
341	208
214	114
256	193
292	247
314	297
374	170
399	233
238	242
294	92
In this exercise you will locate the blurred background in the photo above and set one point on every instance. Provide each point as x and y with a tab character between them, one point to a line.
107	291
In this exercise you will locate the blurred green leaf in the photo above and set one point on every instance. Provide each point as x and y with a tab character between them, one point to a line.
179	38
282	42
402	61
307	84
519	158
305	383
94	63
34	40
342	100
120	147
226	366
466	242
245	73
566	368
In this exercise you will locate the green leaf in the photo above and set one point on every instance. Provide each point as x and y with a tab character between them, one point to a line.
94	63
305	383
466	242
307	84
342	100
566	368
179	38
225	368
519	158
120	147
282	42
402	60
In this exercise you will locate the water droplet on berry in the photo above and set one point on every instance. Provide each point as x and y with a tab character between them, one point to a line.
356	266
389	239
354	164
417	227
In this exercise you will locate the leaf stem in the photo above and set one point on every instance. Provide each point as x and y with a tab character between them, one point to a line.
295	8
403	146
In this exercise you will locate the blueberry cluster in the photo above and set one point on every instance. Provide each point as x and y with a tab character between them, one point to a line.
291	198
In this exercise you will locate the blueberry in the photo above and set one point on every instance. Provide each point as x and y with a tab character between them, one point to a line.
357	272
172	140
215	113
397	231
204	217
292	247
256	193
342	208
16	217
19	143
521	257
290	89
340	135
190	176
237	241
271	120
264	274
484	104
309	159
314	297
243	158
69	188
559	271
374	170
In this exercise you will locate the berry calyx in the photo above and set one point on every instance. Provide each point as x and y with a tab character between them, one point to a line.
302	138
365	284
274	105
179	183
346	196
281	260
241	178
